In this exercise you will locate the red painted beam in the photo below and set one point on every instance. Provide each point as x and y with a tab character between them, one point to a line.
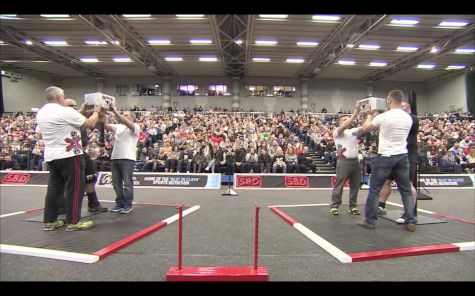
291	221
218	274
104	252
403	252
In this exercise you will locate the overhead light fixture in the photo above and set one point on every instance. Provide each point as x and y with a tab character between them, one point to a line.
455	67
307	43
116	42
453	24
208	59
405	22
174	59
426	66
350	45
273	16
2	43
346	62
55	15
261	59
326	18
29	42
9	17
89	60
378	64
239	41
136	15
434	49
152	68
295	60
200	41
95	42
122	59
190	16
407	48
266	42
159	42
369	46
464	50
55	42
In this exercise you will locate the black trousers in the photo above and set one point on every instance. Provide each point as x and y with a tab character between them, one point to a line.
66	179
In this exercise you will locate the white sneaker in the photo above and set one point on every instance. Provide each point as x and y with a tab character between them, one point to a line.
381	210
400	220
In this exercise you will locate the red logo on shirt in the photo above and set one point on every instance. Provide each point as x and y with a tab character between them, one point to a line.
74	143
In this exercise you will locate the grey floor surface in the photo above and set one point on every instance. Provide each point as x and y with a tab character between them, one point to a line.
221	233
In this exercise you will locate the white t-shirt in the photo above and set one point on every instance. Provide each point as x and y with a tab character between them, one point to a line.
394	126
346	145
125	142
60	128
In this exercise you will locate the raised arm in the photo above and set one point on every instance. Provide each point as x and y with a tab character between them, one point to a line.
91	121
348	121
368	125
122	118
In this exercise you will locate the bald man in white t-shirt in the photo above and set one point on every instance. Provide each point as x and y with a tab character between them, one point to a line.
392	159
60	127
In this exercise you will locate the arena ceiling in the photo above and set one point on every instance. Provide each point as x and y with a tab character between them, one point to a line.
293	45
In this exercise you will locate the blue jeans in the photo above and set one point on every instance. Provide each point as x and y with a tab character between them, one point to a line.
381	169
122	174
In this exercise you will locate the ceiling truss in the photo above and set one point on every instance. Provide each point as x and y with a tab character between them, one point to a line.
228	29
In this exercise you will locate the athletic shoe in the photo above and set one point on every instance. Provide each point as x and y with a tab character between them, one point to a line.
410	227
354	211
334	211
116	209
126	210
366	225
81	225
97	209
53	225
382	211
400	220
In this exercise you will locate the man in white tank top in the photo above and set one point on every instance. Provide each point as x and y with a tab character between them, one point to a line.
392	159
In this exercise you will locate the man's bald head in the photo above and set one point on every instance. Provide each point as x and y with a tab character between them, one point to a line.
70	103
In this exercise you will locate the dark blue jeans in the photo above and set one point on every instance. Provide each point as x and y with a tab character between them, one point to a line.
122	181
381	169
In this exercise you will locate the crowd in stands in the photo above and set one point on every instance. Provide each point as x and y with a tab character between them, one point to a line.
240	143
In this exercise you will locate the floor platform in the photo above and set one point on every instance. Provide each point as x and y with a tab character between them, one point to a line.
23	233
344	239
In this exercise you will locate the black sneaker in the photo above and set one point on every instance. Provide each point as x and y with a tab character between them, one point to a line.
97	209
116	209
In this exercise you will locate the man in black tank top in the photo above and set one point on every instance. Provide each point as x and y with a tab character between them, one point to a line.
412	156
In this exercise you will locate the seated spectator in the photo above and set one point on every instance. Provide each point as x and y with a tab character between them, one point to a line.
252	161
278	162
291	160
264	161
446	166
8	163
305	162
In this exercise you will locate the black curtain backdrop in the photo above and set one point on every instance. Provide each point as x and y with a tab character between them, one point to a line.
470	88
412	99
1	98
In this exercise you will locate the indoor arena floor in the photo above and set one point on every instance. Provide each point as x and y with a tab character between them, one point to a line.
221	233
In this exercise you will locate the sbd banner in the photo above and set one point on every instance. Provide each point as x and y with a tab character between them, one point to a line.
154	180
283	181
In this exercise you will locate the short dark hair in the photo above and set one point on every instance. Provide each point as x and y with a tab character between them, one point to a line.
397	95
